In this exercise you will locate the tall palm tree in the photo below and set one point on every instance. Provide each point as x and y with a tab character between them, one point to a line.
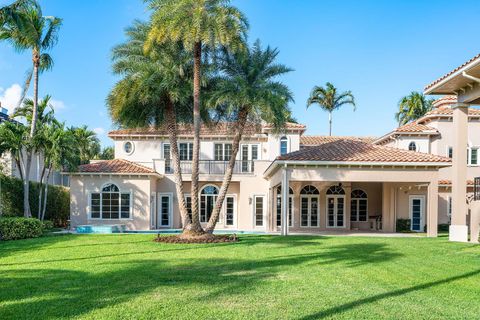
13	137
26	28
87	143
155	91
328	99
199	25
413	107
248	88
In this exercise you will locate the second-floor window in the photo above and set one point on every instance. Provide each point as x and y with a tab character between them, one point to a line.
223	151
412	146
283	146
185	151
473	157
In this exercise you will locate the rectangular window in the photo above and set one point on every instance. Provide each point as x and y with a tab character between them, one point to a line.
188	204
223	151
164	210
166	156
474	156
258	209
230	211
450	152
185	151
95	206
110	205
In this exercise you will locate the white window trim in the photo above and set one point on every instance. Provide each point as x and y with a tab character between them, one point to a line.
170	209
417	149
259	151
410	213
335	213
264	209
223	149
291	223
163	150
224	211
133	147
200	199
89	205
309	196
280	144
189	145
469	156
357	199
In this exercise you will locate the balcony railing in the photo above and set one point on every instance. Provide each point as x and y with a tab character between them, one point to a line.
213	167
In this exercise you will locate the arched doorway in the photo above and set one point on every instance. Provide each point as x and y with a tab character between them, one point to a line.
335	207
208	197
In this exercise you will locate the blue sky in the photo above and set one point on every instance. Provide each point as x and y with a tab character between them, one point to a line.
380	50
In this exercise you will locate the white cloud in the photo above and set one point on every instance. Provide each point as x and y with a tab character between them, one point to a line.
57	104
99	131
9	97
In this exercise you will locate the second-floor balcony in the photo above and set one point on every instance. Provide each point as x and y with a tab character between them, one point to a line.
212	167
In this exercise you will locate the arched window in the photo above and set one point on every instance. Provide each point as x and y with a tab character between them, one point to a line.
208	197
110	203
359	206
309	206
283	146
335	190
279	206
309	190
412	146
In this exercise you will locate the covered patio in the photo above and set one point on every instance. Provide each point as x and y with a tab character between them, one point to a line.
347	184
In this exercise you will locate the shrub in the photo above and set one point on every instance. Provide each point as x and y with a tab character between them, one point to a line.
58	201
403	225
47	225
20	228
443	227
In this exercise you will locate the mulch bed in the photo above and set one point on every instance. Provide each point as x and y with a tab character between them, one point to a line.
205	238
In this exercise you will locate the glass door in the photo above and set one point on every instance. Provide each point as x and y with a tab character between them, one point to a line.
335	211
416	213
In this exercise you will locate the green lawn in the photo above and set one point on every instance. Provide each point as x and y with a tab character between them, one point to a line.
266	277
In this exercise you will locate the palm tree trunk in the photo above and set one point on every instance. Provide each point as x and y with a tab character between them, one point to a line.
44	209
40	191
177	170
227	178
330	122
26	187
195	226
36	63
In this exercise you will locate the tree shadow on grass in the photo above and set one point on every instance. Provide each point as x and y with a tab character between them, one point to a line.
54	293
331	312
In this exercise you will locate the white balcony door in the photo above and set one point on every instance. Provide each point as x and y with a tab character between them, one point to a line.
248	154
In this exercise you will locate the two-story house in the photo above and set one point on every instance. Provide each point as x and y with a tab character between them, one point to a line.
328	183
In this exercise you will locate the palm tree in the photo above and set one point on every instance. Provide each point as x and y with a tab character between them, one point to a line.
198	25
249	89
25	27
13	138
330	100
87	143
155	90
413	107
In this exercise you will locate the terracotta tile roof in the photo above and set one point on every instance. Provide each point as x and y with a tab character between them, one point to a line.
415	127
447	100
453	71
449	182
449	111
318	140
354	150
115	166
214	129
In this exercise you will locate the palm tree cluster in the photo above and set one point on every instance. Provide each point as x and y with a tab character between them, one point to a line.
191	63
57	147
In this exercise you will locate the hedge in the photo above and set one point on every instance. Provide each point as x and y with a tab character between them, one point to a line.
11	200
13	228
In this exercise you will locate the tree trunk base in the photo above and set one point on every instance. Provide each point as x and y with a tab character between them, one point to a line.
189	237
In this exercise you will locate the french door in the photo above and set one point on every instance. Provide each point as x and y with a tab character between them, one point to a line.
164	214
336	211
309	215
249	153
417	212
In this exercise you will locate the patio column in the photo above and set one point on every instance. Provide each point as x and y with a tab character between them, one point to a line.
474	221
285	194
432	214
388	207
458	229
